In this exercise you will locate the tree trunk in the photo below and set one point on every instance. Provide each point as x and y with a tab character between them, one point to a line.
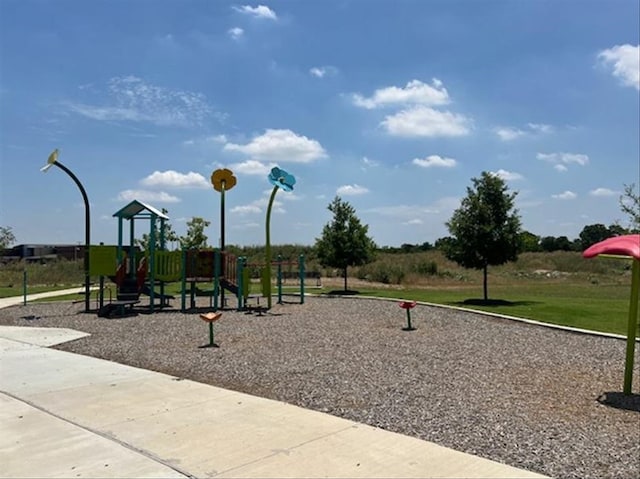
486	296
345	277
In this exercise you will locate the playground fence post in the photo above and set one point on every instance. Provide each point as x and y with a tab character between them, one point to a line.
24	287
183	274
302	274
101	296
279	279
240	269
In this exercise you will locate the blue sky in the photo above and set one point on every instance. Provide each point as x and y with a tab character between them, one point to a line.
392	105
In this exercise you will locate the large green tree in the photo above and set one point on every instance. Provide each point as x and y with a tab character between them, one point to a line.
195	237
486	227
7	238
592	234
344	241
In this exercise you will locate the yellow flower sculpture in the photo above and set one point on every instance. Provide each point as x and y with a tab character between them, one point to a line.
223	179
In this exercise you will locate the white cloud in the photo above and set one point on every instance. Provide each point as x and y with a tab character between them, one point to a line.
281	146
245	226
508	134
147	196
624	60
566	195
235	33
246	209
259	205
288	196
251	167
173	179
560	168
425	121
564	158
205	141
132	99
415	93
540	127
321	72
351	190
507	175
368	162
260	11
402	211
415	221
434	161
443	206
603	192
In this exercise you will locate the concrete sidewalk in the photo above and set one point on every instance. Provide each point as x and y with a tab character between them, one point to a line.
66	415
16	300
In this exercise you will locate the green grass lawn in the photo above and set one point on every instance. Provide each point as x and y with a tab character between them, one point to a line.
594	307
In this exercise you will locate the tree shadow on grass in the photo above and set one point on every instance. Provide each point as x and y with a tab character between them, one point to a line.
618	400
493	302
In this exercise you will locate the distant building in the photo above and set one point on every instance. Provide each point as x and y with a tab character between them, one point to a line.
43	252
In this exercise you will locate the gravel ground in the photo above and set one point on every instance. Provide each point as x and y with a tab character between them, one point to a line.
524	395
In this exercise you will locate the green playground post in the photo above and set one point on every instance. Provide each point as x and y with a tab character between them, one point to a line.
183	274
216	279
632	326
302	274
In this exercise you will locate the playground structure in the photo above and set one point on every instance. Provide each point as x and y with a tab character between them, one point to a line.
134	272
137	272
224	271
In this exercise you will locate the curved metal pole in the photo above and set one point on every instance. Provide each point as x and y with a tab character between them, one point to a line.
87	234
268	248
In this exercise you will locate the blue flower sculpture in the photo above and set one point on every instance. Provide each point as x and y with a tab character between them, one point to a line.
281	179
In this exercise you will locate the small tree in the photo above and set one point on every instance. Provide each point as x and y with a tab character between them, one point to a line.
486	227
630	205
195	237
170	235
7	238
529	242
344	241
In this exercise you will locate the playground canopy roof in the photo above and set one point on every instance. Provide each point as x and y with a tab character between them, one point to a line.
626	245
135	208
